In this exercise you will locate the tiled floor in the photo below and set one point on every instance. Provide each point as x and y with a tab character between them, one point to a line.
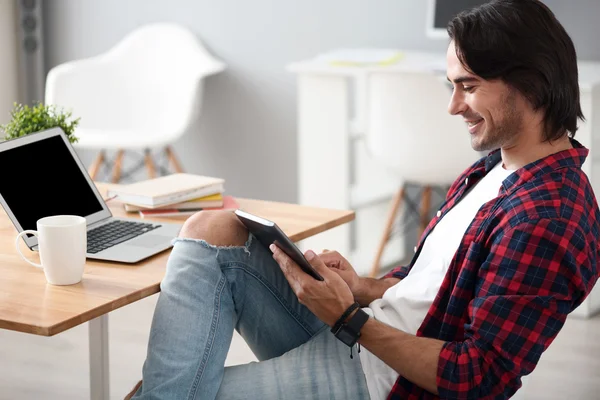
33	367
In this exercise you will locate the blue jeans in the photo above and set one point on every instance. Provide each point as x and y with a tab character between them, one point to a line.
206	293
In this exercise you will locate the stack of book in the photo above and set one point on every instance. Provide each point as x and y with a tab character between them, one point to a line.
173	195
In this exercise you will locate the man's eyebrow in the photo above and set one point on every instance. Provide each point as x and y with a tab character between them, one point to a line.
463	79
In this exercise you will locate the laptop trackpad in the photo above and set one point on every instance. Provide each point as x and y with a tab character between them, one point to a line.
149	240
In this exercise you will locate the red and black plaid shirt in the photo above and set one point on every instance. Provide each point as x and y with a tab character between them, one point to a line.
528	258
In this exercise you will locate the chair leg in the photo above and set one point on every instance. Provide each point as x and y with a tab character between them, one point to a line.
173	159
95	166
135	389
150	164
425	206
116	174
396	202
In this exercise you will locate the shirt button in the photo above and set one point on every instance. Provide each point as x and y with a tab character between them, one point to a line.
415	249
439	213
467	181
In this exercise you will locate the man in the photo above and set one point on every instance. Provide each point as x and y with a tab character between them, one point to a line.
512	252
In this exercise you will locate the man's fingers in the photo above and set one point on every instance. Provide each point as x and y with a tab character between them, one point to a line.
330	259
317	263
288	267
329	253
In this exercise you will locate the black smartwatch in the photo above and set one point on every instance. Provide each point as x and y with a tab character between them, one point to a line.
349	332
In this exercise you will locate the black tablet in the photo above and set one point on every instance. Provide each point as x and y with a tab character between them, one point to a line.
267	233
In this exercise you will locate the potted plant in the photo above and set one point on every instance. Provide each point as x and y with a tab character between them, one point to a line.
26	120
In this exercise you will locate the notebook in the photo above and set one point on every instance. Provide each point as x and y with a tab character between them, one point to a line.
170	189
54	174
214	200
228	204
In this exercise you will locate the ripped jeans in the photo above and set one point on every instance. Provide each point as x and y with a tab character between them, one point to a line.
209	291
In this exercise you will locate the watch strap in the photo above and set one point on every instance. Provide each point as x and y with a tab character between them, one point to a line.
342	319
349	332
357	321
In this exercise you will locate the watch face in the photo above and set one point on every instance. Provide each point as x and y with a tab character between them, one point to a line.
346	336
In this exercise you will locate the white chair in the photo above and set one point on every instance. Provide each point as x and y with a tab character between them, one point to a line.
409	130
142	94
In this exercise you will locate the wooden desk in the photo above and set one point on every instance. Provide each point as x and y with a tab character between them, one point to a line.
28	304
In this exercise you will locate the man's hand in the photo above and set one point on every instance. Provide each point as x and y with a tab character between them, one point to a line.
338	264
327	299
364	290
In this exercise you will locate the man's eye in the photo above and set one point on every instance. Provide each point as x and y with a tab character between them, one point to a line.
468	88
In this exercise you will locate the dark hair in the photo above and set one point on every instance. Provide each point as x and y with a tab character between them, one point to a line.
522	43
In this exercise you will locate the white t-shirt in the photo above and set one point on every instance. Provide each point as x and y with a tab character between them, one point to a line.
405	305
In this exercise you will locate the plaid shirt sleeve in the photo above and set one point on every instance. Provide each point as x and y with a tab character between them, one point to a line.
398	272
533	276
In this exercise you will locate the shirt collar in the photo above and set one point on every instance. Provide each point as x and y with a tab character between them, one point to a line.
570	158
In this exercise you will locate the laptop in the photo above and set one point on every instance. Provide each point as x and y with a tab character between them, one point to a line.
42	176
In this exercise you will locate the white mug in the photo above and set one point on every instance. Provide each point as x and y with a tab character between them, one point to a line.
62	244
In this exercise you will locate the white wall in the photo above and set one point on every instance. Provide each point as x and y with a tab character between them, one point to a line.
249	133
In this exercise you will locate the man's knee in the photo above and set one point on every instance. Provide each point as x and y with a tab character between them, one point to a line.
219	228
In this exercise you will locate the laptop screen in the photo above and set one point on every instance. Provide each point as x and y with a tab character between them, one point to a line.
42	178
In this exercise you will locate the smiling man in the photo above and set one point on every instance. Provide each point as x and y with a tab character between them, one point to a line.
493	111
512	252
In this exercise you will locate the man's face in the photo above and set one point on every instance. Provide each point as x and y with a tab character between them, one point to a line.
489	108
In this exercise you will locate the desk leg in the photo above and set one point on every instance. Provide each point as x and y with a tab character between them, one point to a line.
99	376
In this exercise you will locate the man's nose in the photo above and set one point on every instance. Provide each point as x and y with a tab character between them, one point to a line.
457	105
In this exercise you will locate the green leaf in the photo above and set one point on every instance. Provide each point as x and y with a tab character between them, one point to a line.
26	120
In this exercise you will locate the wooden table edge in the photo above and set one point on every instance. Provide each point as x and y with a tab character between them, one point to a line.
319	229
87	316
140	294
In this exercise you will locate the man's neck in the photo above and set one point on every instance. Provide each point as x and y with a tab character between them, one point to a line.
528	149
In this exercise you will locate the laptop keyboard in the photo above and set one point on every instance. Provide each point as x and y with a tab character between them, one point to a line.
115	232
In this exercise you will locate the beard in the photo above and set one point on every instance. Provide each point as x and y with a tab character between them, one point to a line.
506	127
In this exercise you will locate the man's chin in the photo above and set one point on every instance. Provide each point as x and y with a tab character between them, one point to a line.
478	144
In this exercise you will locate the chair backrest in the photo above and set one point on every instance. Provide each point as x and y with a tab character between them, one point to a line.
152	78
409	130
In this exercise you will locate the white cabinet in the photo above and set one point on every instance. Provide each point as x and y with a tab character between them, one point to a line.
335	172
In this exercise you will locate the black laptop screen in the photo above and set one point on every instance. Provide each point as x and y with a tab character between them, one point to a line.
42	178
